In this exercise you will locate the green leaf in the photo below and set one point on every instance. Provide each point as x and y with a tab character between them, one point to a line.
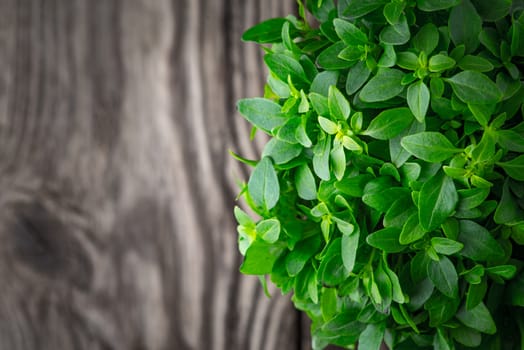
349	245
284	66
371	337
407	60
492	10
328	58
359	8
338	104
268	31
444	276
508	212
437	201
465	25
322	82
328	126
446	246
305	182
393	11
281	152
482	113
321	153
411	231
328	303
353	186
298	257
429	146
357	76
268	230
505	271
510	140
475	63
427	38
386	240
260	258
397	34
475	88
478	318
440	63
263	185
338	161
517	37
435	5
262	113
383	86
320	103
388	58
389	123
514	168
397	153
331	270
349	33
440	308
466	336
418	100
479	244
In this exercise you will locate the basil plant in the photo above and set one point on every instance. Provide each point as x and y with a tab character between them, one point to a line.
389	199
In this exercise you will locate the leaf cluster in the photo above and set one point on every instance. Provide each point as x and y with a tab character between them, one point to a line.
390	197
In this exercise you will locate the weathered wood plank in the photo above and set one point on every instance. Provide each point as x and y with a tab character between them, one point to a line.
115	185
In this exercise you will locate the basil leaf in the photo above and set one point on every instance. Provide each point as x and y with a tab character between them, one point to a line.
437	201
517	37
411	231
466	336
514	168
464	25
284	66
331	270
338	104
407	60
444	276
427	38
418	100
389	123
478	318
475	63
349	33
260	258
357	76
321	153
435	5
349	244
353	186
268	31
298	257
322	82
429	146
262	113
328	58
397	153
359	8
508	212
383	86
440	308
479	244
386	240
475	88
268	230
338	161
397	34
371	337
440	63
305	181
446	246
263	185
281	152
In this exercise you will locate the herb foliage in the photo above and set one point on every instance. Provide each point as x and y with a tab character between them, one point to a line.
390	197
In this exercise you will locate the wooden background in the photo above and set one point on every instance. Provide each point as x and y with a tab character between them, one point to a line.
116	189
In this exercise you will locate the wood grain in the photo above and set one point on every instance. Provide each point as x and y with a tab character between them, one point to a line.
116	188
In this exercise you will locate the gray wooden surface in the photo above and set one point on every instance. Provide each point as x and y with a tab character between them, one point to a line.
116	189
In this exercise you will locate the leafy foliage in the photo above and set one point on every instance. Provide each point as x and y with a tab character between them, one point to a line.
390	197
